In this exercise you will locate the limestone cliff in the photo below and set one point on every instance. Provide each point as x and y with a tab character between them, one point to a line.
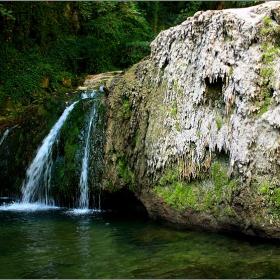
193	129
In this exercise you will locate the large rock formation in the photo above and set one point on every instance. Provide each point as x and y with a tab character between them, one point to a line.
193	130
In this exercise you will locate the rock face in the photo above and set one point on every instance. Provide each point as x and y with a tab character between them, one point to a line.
193	130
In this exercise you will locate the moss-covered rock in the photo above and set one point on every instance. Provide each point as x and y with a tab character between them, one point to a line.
26	133
195	126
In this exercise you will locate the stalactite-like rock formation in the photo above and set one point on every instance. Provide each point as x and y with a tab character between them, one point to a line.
193	129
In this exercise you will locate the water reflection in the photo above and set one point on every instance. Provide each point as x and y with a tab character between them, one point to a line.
60	244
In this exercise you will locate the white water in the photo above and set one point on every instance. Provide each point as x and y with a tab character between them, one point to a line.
88	94
84	199
6	134
38	175
23	207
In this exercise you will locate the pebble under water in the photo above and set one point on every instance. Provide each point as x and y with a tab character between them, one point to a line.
42	242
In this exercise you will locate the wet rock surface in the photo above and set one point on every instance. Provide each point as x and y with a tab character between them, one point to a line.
193	130
23	136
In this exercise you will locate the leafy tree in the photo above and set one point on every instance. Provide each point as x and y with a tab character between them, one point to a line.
44	43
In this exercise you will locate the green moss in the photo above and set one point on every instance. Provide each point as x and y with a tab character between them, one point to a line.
179	195
269	28
220	180
69	152
208	201
219	124
267	20
210	194
227	211
178	127
264	189
268	189
169	178
136	140
263	109
231	70
174	112
125	110
266	73
126	173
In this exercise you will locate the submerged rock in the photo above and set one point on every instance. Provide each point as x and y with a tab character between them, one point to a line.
193	130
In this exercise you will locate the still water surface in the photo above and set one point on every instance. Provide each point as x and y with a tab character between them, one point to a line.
58	243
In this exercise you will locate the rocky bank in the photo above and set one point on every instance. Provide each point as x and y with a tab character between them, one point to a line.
193	129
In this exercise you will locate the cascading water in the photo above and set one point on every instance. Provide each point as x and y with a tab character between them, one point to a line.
84	199
38	176
6	134
39	185
93	156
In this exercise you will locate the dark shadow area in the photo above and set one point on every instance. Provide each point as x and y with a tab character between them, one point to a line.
122	201
213	90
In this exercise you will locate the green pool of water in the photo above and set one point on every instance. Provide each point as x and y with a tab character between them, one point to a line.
58	244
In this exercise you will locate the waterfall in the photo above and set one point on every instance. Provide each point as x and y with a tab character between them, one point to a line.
38	182
84	200
38	173
92	163
6	134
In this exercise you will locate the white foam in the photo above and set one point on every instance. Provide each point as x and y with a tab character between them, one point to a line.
27	207
83	211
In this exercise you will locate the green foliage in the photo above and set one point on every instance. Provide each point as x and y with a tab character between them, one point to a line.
191	8
119	30
42	44
50	43
134	52
6	13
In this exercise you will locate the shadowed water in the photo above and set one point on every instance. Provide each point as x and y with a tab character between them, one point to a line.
62	243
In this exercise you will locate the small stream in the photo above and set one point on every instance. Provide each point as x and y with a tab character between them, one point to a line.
58	243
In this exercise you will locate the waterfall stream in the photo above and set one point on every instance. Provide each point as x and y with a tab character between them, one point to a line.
38	174
84	199
38	182
6	134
